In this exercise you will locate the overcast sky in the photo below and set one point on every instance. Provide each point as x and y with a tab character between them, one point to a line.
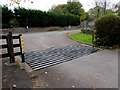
45	5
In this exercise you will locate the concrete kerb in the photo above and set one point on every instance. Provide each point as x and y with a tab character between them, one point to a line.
99	47
81	43
23	66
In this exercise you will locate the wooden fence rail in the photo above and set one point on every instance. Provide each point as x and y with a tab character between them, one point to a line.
10	47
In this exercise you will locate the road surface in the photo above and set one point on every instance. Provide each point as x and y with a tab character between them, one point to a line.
98	70
47	40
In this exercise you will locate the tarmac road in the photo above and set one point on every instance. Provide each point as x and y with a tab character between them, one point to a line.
47	40
98	70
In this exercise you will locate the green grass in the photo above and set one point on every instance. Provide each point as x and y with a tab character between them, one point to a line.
82	38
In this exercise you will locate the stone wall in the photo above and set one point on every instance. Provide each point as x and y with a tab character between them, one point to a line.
36	29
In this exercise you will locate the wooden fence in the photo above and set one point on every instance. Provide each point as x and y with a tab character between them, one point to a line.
10	47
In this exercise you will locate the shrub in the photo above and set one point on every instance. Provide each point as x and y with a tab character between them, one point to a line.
107	30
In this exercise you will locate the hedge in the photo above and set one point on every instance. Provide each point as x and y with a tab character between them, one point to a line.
37	18
107	30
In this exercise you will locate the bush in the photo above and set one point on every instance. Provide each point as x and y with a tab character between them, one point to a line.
107	30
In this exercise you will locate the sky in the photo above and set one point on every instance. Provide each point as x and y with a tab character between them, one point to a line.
45	5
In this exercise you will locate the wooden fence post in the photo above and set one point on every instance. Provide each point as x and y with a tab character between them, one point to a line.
10	47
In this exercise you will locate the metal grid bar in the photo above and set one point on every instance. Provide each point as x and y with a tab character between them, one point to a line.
47	58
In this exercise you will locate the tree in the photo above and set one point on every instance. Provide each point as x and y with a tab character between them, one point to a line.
60	9
117	6
37	18
110	11
0	16
84	16
105	4
7	16
74	7
99	11
96	11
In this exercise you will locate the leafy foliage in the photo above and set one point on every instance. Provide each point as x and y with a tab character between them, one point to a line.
71	7
85	16
117	6
75	8
7	15
37	18
98	11
14	23
60	9
107	30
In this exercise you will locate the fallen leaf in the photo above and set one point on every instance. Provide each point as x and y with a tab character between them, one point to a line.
58	78
46	85
73	86
14	86
34	81
98	74
59	72
46	72
37	85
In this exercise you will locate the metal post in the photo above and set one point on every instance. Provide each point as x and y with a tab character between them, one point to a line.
93	37
21	47
10	47
98	13
105	7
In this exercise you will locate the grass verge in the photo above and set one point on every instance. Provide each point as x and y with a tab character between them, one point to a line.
85	38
